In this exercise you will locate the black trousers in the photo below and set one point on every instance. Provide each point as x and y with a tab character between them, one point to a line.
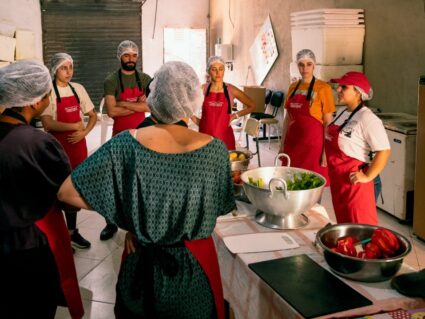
29	284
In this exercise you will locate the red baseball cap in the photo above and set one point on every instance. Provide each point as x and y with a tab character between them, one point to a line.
354	78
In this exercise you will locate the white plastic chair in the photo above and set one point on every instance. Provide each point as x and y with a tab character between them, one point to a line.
105	122
252	128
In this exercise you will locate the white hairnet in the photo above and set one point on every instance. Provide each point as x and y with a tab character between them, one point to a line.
57	60
365	96
214	59
23	83
127	46
306	54
175	92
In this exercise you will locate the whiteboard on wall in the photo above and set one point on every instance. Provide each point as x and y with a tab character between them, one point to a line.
187	45
263	52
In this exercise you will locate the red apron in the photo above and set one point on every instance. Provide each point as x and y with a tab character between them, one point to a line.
126	122
352	203
68	111
215	119
204	252
54	227
304	138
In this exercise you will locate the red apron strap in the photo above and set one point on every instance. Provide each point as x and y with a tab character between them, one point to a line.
204	252
54	227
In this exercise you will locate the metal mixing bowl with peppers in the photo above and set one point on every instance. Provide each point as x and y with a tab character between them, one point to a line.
363	252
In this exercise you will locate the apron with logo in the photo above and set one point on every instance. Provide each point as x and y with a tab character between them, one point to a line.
215	119
353	203
68	111
126	122
304	138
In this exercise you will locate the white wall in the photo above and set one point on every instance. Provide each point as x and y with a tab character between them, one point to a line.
172	14
24	14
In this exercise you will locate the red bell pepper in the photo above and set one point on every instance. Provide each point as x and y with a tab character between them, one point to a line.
345	246
371	251
386	241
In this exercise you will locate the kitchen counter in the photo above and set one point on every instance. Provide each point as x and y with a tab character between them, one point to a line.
251	298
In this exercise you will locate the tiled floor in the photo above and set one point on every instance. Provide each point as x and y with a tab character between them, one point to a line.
97	267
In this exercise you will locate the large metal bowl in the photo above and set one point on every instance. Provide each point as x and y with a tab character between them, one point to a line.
281	209
367	270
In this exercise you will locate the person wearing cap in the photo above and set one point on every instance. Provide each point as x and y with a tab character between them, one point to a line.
217	113
125	100
357	150
69	101
309	107
37	270
153	183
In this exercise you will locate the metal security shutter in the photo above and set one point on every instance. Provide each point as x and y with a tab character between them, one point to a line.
90	32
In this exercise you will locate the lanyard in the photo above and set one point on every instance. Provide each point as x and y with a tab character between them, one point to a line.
58	97
15	115
310	89
358	108
137	80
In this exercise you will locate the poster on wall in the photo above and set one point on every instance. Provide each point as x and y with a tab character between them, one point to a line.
263	52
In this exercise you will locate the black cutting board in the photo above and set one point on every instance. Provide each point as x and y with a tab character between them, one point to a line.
309	288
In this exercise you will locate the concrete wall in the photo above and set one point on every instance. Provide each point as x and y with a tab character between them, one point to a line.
24	14
172	14
394	49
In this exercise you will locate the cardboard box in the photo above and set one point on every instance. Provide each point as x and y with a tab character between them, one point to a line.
25	45
7	48
258	95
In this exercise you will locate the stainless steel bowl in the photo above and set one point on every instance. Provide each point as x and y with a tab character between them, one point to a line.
368	270
241	165
281	209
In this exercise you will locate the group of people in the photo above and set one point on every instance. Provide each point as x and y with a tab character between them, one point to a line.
349	150
150	178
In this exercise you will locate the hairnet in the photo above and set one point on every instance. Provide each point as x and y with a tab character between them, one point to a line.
306	54
175	92
57	60
127	46
214	59
365	96
23	83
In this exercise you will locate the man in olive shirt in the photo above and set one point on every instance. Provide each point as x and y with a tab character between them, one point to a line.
125	100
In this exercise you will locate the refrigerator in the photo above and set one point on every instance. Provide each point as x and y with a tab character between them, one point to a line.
419	202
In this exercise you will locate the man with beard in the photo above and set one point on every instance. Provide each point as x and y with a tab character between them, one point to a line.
125	100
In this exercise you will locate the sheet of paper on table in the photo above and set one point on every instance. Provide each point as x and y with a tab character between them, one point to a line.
259	242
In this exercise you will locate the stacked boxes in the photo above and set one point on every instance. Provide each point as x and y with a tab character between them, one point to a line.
15	44
335	36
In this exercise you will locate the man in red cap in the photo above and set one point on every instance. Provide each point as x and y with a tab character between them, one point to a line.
357	150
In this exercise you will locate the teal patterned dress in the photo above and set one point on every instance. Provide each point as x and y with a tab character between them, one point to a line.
162	199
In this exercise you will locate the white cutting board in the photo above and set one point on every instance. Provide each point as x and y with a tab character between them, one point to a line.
259	242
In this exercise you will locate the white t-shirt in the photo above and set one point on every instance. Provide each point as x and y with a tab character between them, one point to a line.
363	134
86	104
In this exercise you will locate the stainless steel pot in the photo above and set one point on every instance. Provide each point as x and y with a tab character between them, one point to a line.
281	209
368	270
241	165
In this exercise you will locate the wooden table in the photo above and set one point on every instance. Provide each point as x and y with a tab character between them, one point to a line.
250	297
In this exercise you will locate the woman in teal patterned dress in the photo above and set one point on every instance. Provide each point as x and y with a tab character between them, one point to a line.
166	185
